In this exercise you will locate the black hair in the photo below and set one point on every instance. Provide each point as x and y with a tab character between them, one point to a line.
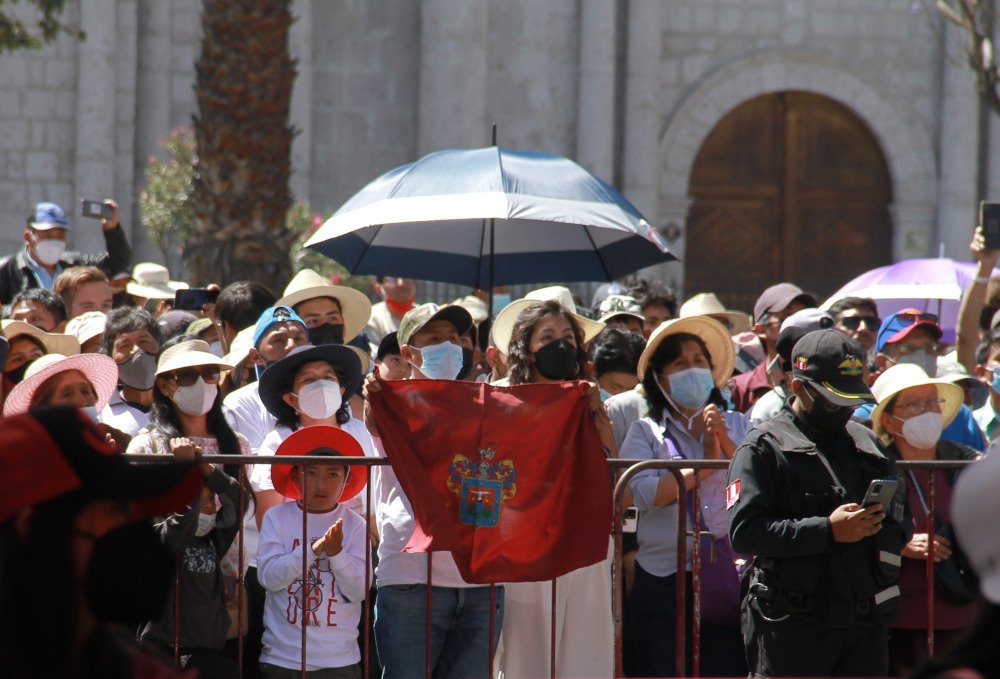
127	319
990	339
388	346
662	298
335	300
519	352
48	299
289	418
665	354
845	303
240	304
616	351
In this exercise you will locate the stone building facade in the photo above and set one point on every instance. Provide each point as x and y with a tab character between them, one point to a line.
631	89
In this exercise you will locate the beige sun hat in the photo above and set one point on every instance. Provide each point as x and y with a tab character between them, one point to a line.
239	348
100	370
87	326
715	336
355	306
54	342
152	281
904	376
707	304
189	354
503	325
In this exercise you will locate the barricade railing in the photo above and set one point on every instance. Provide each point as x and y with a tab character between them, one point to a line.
627	469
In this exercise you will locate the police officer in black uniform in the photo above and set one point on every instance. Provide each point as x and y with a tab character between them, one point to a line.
822	589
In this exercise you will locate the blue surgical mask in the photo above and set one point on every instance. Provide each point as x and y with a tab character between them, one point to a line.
500	301
691	387
605	395
441	361
996	380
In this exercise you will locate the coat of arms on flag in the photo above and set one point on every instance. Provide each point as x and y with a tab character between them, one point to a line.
482	487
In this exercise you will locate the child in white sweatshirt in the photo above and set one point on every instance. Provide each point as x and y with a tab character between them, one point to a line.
334	553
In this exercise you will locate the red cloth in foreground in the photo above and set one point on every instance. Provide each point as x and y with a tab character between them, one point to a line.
511	480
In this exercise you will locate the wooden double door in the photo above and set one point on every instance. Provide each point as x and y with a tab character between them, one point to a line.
789	186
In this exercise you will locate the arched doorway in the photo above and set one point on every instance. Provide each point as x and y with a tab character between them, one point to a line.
788	186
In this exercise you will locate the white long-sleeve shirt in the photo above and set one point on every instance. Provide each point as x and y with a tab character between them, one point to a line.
334	591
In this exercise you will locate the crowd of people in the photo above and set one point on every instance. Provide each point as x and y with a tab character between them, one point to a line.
802	573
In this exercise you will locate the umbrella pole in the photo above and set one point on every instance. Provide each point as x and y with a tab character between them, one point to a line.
489	308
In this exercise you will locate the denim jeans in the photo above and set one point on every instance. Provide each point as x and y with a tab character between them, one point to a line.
460	630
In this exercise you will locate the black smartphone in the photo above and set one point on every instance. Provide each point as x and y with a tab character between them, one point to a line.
880	491
989	219
194	299
96	209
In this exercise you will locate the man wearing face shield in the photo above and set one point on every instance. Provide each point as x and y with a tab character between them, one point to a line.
912	336
823	589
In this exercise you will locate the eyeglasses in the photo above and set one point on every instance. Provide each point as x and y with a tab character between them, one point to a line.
915	408
907	348
854	322
188	376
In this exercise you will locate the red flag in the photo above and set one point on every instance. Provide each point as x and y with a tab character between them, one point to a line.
511	480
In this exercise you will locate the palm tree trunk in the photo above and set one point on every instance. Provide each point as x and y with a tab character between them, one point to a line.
241	195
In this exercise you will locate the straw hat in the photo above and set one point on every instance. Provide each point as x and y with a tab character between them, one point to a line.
189	354
239	348
905	375
707	304
715	336
503	324
355	306
54	342
152	281
320	436
100	370
87	326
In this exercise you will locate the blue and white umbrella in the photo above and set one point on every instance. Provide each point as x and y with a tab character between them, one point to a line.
536	217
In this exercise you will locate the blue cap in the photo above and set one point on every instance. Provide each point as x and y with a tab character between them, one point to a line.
898	326
49	216
272	316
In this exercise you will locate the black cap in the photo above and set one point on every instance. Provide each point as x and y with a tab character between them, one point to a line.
389	345
786	342
831	362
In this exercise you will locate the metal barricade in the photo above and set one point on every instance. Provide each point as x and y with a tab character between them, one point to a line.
627	469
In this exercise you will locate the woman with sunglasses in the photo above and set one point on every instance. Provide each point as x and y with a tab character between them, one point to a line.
912	411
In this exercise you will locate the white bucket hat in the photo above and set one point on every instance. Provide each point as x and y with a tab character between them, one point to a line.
903	376
354	306
189	354
503	324
54	342
152	281
100	370
715	336
87	326
707	304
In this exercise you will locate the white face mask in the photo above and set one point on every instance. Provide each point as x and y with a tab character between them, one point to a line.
924	430
206	522
49	252
216	348
441	361
196	399
320	399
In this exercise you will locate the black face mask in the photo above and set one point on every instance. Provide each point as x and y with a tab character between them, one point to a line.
826	417
557	360
467	355
326	334
17	374
129	575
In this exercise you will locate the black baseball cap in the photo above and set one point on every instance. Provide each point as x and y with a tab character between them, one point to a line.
831	362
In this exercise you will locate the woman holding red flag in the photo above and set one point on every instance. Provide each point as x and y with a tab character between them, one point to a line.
547	345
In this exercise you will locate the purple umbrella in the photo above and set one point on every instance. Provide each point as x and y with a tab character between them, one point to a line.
934	285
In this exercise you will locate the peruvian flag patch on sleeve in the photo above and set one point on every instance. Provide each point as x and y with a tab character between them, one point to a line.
732	493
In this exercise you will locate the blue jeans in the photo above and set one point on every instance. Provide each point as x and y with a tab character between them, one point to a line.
460	630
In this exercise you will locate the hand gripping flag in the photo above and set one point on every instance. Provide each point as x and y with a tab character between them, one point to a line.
511	480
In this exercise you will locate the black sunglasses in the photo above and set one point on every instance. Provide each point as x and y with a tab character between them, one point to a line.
188	376
854	322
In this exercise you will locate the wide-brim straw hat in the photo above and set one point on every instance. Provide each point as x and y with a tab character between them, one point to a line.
503	325
100	370
715	336
152	281
707	304
239	348
54	342
355	306
340	356
903	376
189	354
308	439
